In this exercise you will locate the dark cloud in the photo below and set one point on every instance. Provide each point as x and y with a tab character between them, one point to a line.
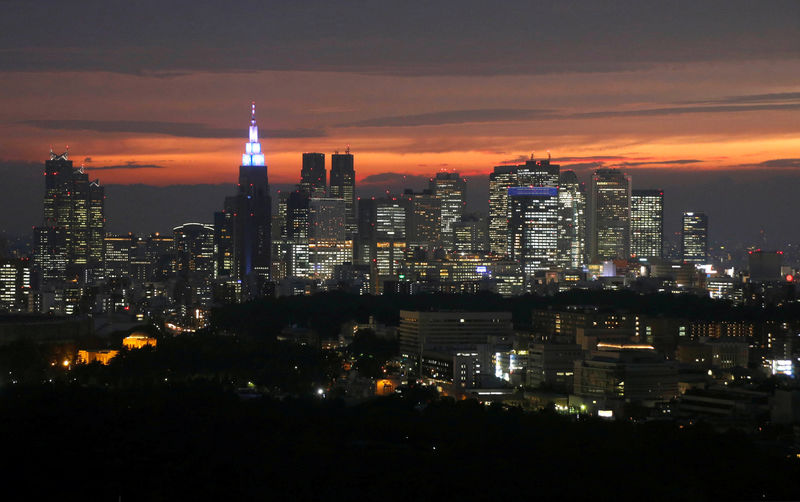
752	98
659	163
582	166
128	165
181	129
680	110
452	117
512	162
384	179
87	160
156	38
781	163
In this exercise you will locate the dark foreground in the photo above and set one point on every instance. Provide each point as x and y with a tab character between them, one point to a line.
199	442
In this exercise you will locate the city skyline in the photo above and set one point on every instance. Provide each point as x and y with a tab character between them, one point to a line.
708	98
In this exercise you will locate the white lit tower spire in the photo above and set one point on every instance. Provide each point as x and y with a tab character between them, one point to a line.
252	149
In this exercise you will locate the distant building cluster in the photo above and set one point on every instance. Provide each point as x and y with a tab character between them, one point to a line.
544	232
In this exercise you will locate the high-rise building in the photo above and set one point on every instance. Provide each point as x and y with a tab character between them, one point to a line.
500	181
571	221
343	186
695	237
538	173
49	254
533	228
610	213
15	286
313	178
470	235
297	225
252	217
450	189
327	244
647	223
424	220
118	251
75	204
224	238
195	263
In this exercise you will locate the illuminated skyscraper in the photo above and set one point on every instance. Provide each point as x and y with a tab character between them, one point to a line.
450	189
647	223
343	186
571	221
195	264
538	173
695	237
328	245
313	178
297	225
500	181
74	204
533	228
610	213
424	218
253	216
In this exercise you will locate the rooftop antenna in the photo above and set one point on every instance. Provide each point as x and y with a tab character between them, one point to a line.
532	155
347	149
548	155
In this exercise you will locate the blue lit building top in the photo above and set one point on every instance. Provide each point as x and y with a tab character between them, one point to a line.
533	191
252	155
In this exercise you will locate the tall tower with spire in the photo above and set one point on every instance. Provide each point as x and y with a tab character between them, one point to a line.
252	216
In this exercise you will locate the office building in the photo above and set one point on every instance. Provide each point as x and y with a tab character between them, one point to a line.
74	204
503	178
610	214
15	286
533	228
448	332
571	221
647	223
297	226
328	245
694	248
343	186
313	179
118	250
195	264
538	173
450	189
424	219
765	265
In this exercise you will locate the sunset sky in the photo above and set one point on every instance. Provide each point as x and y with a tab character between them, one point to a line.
676	93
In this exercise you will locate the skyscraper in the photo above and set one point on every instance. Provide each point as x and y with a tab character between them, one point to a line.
450	189
647	223
343	186
195	264
695	238
327	243
533	228
74	204
313	178
571	221
500	181
297	225
253	215
424	220
538	173
610	213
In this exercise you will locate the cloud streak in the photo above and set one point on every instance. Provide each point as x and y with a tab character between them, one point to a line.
179	129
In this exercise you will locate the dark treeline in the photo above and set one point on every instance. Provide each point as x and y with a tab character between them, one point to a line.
199	442
324	312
